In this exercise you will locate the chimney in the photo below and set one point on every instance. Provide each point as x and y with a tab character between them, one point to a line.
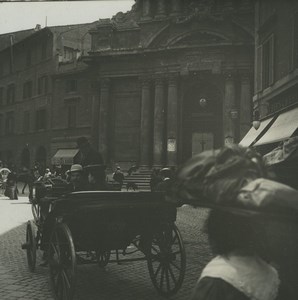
37	27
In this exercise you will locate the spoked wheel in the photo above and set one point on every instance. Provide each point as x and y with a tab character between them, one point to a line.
31	246
166	261
36	212
103	257
62	262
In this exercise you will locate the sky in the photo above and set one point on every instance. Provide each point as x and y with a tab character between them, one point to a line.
15	16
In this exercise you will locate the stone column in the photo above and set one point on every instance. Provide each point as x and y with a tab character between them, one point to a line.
245	104
172	121
146	146
161	9
159	123
175	7
229	106
95	120
146	13
103	117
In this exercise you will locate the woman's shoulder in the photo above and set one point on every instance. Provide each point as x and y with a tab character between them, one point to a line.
209	288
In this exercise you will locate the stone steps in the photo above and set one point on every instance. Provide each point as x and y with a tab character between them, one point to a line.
141	179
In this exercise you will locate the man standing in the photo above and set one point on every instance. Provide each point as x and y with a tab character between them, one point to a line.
87	155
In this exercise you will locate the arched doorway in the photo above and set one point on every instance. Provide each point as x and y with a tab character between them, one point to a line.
41	158
25	158
202	119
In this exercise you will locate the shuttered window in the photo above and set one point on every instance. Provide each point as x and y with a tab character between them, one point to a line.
268	62
72	116
258	68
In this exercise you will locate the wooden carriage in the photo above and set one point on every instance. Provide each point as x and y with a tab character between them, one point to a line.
95	226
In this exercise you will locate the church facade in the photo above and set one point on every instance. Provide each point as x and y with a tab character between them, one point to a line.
175	79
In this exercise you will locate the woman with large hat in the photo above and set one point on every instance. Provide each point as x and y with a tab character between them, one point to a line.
252	226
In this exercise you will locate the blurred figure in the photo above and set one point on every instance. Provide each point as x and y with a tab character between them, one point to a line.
241	269
118	176
76	181
166	180
87	155
47	174
155	179
11	186
96	180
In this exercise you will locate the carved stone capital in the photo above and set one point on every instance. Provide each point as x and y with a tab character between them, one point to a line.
173	79
159	79
229	74
161	9
145	81
245	75
105	83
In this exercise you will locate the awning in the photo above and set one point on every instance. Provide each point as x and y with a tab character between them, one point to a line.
288	150
282	128
64	156
254	133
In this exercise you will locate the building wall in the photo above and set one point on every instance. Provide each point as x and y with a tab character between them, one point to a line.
277	19
72	109
155	63
22	71
37	113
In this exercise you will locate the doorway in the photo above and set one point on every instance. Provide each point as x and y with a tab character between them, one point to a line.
202	141
202	118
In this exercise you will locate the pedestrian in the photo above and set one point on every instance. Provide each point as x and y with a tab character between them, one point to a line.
166	180
47	174
155	179
76	181
96	180
248	225
11	186
118	176
24	177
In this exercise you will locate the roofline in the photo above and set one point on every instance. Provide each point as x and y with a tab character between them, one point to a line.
49	28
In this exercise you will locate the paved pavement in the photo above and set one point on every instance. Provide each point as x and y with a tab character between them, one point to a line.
129	281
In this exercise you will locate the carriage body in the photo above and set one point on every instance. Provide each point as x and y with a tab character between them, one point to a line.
100	224
102	220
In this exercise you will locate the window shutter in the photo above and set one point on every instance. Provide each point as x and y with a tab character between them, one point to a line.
258	69
271	60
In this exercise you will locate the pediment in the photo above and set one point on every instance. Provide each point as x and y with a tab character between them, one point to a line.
197	38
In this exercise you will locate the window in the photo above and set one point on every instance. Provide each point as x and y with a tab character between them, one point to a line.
1	96
41	119
26	121
27	90
10	94
267	62
28	58
72	116
42	85
9	123
44	50
69	54
71	85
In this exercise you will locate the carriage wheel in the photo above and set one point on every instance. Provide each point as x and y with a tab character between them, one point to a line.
103	257
36	212
166	260
31	246
62	262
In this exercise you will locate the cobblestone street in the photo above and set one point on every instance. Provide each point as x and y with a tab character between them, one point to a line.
126	281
